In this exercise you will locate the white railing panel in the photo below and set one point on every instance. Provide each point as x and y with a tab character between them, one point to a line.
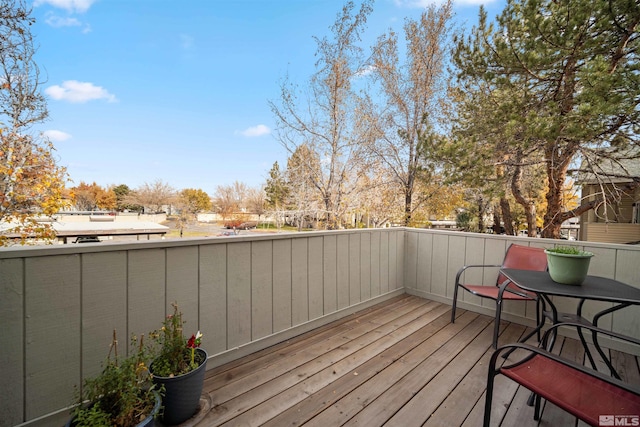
262	289
238	294
439	265
53	332
456	257
146	291
412	259
213	297
12	340
182	284
394	261
319	276
424	261
244	293
385	261
339	297
301	278
282	291
375	264
365	266
627	267
104	295
355	288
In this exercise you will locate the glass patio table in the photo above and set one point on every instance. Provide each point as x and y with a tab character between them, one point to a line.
594	288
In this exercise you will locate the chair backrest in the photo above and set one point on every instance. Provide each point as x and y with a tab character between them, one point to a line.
523	258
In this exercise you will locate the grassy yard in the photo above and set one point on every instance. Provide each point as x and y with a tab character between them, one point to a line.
173	233
211	230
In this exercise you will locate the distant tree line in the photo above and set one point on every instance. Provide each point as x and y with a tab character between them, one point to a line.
158	196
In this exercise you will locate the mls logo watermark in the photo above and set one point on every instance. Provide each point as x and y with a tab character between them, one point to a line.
619	420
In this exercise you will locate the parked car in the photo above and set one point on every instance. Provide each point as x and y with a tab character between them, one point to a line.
234	224
87	239
248	225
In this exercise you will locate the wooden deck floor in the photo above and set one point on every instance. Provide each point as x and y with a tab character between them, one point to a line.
400	363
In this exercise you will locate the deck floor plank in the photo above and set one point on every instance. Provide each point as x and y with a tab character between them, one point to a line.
233	371
318	401
348	365
432	394
399	363
244	394
287	361
396	394
455	408
351	403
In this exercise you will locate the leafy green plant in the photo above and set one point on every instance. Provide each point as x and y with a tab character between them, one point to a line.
176	354
568	250
122	395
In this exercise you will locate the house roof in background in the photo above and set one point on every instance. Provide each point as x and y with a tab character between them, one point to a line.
615	171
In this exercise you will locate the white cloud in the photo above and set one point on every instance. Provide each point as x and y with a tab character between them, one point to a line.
56	135
79	6
58	21
66	21
78	92
256	131
366	71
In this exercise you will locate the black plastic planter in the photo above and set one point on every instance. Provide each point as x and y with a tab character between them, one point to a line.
182	393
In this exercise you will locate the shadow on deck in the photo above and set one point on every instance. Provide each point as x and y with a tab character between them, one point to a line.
398	363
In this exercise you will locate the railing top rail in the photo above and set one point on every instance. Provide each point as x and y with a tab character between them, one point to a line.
106	246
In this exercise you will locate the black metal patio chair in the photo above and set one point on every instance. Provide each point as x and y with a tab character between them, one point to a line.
517	256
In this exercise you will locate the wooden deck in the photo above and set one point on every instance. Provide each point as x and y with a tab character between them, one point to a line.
400	363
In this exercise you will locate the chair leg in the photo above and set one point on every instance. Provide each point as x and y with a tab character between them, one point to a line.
538	311
492	373
489	398
536	410
455	301
496	327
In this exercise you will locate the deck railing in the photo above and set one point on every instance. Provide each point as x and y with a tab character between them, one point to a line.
59	304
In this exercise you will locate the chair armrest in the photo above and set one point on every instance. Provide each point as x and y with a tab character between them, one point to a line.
462	270
503	287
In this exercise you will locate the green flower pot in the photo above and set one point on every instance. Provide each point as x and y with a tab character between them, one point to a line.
568	269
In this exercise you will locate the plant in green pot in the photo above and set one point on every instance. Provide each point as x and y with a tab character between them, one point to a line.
121	395
568	265
178	368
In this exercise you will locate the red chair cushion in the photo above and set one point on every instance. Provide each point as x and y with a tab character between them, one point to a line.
492	292
525	258
576	392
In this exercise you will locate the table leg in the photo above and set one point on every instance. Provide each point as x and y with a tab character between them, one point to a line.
554	317
594	334
536	330
582	340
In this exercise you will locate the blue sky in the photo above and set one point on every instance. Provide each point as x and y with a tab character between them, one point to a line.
140	90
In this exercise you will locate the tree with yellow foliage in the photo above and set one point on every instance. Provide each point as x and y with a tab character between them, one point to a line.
89	197
31	183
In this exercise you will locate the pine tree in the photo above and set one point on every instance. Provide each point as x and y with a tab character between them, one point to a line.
571	70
